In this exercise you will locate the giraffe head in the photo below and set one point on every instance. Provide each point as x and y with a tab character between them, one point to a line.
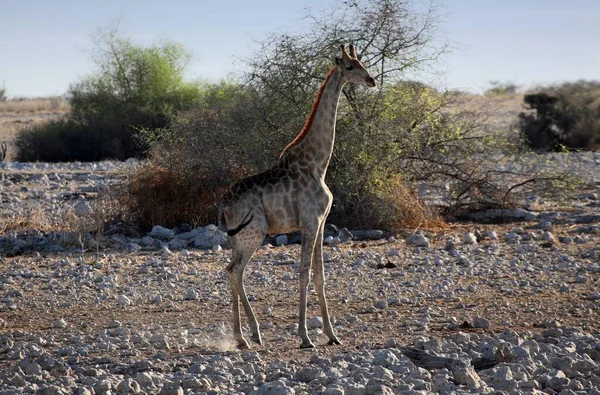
352	69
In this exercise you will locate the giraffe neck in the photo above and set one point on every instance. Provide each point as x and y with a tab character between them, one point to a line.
312	148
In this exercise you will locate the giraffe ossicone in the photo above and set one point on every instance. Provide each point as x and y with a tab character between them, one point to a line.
291	196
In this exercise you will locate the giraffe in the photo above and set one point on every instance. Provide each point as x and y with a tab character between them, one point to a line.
291	196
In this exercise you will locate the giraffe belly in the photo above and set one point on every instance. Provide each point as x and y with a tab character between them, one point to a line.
281	214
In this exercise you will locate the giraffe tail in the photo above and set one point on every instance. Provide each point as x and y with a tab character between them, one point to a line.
233	232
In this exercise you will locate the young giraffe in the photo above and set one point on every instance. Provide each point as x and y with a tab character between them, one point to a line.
290	196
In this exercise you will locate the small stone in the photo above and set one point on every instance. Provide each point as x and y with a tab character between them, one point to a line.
33	369
308	374
315	322
418	239
344	235
393	252
114	324
165	252
464	261
332	241
552	332
124	301
469	238
82	209
450	245
128	386
512	238
59	323
281	240
161	233
480	322
177	244
381	304
191	294
171	389
548	236
581	278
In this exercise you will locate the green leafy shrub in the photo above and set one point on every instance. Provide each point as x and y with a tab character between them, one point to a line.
133	87
566	116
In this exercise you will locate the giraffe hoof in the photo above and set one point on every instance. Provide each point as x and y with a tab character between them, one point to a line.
333	341
243	345
256	339
307	344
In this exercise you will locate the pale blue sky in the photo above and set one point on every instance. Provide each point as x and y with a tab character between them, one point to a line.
44	44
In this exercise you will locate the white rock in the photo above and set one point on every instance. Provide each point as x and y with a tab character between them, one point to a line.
59	323
128	386
469	238
281	240
82	209
161	233
191	294
178	244
124	301
315	322
480	322
209	236
418	239
512	238
548	236
393	252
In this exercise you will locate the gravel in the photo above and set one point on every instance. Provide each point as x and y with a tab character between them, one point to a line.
157	318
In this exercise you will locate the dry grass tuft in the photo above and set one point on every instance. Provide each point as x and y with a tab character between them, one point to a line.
409	210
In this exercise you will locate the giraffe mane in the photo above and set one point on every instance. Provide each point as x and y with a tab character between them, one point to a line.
311	116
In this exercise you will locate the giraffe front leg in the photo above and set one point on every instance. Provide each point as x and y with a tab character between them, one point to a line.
308	243
319	277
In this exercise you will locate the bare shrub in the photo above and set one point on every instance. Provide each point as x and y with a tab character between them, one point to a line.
156	195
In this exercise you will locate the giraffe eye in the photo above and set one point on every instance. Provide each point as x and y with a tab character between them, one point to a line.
349	68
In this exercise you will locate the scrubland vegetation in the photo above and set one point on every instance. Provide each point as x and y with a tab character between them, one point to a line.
200	137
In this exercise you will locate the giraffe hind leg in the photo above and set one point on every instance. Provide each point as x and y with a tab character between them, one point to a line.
235	298
244	245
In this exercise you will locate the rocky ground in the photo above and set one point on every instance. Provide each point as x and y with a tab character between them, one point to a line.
152	314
